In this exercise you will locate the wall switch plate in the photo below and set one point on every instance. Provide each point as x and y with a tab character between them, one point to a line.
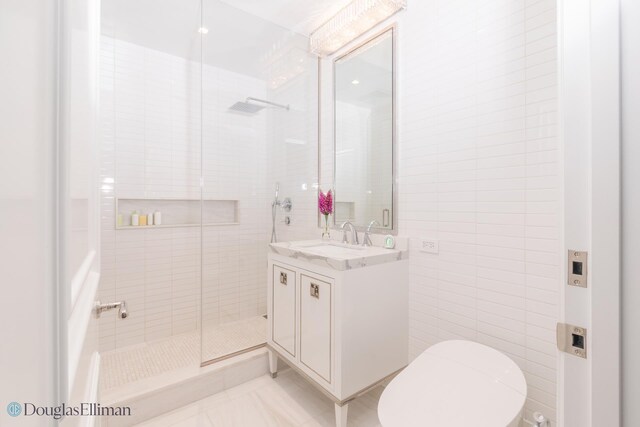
430	246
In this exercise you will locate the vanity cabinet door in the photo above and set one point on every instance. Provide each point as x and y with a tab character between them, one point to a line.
283	314
315	325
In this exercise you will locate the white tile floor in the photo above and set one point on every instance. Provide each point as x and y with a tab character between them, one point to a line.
287	401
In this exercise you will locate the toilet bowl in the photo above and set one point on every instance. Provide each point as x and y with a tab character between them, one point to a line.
455	384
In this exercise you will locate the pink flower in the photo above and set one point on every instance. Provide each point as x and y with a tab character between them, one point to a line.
325	202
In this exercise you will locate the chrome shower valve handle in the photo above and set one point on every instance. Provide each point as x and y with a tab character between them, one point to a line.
285	205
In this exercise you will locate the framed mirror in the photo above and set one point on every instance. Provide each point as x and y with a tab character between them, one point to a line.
364	134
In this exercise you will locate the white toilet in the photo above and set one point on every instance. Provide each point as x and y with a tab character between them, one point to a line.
455	384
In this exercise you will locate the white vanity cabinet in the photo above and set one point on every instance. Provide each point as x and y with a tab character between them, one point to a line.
343	330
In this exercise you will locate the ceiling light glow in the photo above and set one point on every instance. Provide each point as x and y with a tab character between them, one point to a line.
203	30
352	21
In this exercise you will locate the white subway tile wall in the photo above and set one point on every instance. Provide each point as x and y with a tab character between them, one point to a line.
151	133
479	172
293	140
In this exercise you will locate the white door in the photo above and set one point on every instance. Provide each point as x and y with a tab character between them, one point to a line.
49	234
588	392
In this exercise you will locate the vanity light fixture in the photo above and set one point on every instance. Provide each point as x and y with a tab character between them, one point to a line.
353	20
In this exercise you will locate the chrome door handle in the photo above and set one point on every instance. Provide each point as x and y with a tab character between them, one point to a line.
283	278
120	305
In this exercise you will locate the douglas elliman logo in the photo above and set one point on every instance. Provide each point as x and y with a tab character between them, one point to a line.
14	409
84	409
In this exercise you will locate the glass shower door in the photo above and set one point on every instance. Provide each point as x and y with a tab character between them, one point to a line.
233	168
256	79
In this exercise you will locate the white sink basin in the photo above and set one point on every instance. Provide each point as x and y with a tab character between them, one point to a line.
330	243
340	256
331	249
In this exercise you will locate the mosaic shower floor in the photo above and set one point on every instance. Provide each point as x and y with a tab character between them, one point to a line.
126	366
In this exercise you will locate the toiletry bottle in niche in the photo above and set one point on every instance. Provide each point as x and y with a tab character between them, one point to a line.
150	219
143	219
157	218
119	219
135	218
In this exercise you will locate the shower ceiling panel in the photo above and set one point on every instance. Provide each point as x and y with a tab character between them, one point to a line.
240	32
169	26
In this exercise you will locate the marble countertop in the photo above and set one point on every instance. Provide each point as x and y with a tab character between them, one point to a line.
336	255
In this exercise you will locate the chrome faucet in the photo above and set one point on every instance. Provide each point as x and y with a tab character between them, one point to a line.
366	241
354	233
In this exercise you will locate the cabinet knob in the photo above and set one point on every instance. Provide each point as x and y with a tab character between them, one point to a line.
314	290
283	278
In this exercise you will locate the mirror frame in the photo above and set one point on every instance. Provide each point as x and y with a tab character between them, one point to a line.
393	28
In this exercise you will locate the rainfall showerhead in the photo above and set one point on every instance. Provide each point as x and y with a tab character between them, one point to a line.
249	106
245	107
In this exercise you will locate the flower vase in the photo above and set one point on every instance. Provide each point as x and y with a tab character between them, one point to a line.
326	235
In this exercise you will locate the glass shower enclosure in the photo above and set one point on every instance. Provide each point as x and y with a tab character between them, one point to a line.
204	108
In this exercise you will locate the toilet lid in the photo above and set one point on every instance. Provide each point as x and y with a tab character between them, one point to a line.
455	384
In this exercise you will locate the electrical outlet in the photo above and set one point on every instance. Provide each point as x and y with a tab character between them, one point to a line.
429	245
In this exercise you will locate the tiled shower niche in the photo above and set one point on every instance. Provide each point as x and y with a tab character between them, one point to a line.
178	212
